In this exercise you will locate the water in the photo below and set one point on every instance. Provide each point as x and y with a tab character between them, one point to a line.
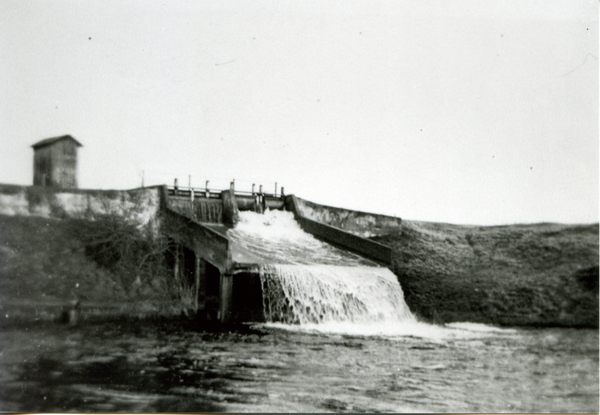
208	212
339	338
304	294
130	368
305	281
276	238
201	209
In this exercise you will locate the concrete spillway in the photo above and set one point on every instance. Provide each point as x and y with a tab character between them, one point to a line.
304	280
284	266
276	238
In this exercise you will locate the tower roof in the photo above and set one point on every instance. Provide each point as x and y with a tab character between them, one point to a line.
53	140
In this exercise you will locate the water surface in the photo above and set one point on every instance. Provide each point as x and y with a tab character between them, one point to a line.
146	367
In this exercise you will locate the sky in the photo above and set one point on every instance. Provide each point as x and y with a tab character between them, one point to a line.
463	111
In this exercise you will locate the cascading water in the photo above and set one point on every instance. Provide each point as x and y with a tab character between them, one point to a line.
201	209
305	281
276	238
208	212
325	294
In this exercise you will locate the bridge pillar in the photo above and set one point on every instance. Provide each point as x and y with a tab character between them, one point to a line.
225	297
200	285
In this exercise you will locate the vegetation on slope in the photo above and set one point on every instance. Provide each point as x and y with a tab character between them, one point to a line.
47	264
541	274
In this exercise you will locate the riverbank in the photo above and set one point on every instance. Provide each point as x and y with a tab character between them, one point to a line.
518	275
48	273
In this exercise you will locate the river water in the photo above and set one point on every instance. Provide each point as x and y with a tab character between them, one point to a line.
278	368
339	338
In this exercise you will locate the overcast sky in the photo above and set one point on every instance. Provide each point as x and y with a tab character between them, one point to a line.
463	111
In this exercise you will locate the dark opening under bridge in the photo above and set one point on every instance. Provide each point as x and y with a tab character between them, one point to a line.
223	273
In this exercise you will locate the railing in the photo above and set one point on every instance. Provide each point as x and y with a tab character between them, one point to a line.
207	193
193	192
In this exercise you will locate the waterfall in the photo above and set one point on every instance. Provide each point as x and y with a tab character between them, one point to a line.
303	294
276	238
201	210
208	212
306	281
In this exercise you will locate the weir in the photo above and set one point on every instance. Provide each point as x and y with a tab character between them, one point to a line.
302	294
279	265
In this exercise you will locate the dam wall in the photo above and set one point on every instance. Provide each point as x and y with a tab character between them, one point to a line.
325	223
139	205
208	207
358	223
197	226
343	228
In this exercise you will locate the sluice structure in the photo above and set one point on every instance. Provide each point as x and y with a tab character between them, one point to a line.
235	256
252	256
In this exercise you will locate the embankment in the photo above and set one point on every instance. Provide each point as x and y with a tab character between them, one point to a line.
47	265
537	275
526	275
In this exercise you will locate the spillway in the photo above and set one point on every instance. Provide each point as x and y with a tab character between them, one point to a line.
306	281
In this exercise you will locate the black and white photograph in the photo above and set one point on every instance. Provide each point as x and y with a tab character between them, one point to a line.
299	206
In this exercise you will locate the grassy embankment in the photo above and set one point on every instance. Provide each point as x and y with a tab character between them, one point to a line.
544	274
540	274
46	265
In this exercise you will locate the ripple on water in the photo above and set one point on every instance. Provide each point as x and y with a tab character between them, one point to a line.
90	369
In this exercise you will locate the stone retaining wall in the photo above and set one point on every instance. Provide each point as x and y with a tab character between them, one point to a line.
140	205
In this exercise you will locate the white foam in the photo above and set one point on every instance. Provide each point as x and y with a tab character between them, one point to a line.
275	225
478	327
387	330
275	237
324	293
309	285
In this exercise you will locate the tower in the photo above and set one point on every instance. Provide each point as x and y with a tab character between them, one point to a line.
55	162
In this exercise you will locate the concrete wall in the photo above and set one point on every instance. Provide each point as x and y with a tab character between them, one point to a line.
358	223
339	237
140	205
207	244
